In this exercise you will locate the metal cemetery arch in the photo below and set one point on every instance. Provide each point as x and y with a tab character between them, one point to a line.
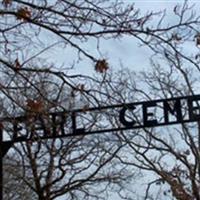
131	116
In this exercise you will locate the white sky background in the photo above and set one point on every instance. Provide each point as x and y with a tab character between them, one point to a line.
123	50
126	50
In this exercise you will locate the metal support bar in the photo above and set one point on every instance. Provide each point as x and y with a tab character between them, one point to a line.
4	148
1	163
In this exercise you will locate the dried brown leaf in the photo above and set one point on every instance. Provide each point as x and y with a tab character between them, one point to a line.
36	106
23	14
101	66
17	65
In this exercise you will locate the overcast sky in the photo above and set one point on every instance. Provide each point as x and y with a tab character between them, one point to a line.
126	50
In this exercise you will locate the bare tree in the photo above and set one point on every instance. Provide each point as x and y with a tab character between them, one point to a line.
15	186
88	167
169	156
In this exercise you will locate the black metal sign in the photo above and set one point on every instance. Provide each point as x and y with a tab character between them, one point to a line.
37	126
105	119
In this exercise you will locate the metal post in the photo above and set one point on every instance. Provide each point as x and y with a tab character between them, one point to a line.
1	163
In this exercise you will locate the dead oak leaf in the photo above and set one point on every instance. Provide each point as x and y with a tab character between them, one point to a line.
23	13
101	66
17	65
36	106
